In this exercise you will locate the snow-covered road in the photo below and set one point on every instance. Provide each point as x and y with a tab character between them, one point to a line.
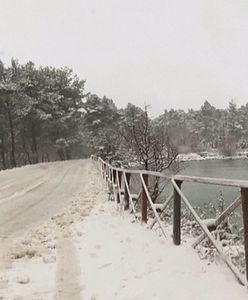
38	206
32	194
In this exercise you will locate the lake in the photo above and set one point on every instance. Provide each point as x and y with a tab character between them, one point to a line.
200	194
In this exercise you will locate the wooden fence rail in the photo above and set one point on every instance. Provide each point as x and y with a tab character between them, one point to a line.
118	180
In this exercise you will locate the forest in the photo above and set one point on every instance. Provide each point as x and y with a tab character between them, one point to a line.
46	115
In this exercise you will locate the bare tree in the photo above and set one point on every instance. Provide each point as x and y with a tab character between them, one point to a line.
150	145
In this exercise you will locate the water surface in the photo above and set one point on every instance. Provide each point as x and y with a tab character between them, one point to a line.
200	194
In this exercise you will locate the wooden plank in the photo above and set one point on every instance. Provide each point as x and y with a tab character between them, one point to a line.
244	198
107	174
118	179
110	175
236	202
215	181
222	217
152	206
226	259
115	186
114	175
126	194
129	194
150	173
144	199
165	204
177	215
102	165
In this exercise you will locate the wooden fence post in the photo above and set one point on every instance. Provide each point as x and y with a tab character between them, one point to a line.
144	200
126	196
114	176
106	173
119	174
244	198
177	215
110	175
103	165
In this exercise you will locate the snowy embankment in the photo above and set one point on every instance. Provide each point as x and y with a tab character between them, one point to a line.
105	255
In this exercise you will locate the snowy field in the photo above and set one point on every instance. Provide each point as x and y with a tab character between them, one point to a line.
91	251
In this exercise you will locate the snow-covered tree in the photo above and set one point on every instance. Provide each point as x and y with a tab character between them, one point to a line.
101	122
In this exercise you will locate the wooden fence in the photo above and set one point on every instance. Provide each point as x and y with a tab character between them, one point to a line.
118	180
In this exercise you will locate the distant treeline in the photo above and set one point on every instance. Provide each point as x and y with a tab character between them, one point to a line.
208	128
46	115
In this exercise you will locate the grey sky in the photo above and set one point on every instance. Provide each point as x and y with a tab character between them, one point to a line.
165	53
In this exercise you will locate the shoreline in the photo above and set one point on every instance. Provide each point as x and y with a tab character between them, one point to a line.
210	156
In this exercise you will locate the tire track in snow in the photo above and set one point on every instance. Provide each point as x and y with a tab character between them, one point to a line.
14	179
68	272
64	181
68	282
12	189
23	191
13	218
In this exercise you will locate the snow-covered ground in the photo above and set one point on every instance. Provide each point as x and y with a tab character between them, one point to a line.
124	260
100	253
208	155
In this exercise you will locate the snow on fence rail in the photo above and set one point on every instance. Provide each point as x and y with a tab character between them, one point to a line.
118	180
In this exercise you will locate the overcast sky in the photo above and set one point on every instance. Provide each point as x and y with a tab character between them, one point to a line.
170	54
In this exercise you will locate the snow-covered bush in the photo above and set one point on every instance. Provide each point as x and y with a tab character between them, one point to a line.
229	234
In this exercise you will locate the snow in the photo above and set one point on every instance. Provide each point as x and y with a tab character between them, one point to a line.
201	156
124	260
210	156
209	222
96	122
28	279
101	253
189	157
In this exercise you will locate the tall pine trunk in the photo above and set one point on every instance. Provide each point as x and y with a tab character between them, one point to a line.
25	148
12	134
3	152
34	143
